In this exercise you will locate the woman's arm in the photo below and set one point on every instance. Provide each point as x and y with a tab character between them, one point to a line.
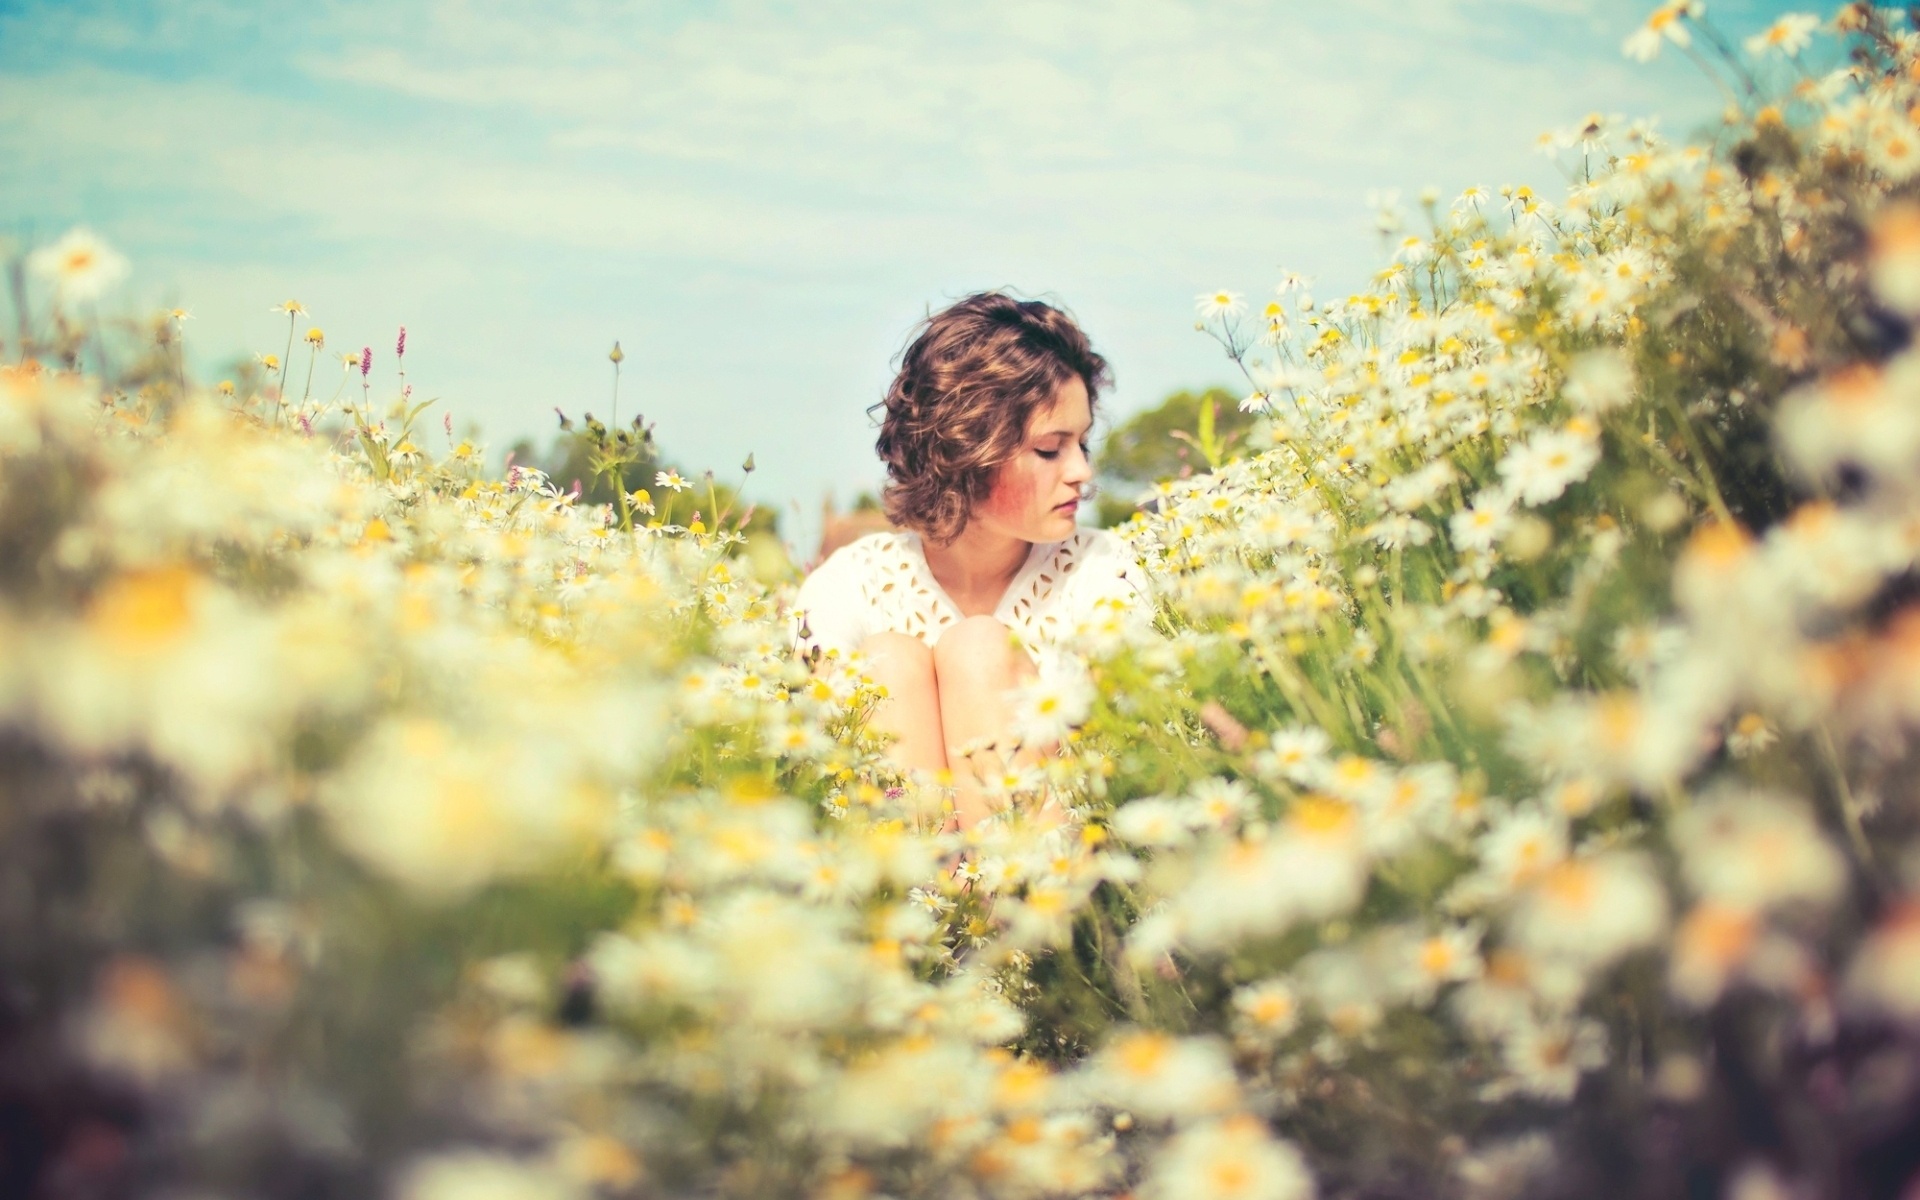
828	611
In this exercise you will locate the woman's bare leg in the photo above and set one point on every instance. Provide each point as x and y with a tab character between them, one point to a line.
976	666
911	712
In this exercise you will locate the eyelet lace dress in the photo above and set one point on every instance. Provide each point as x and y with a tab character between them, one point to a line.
881	584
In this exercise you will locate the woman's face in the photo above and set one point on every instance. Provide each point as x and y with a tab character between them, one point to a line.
1036	493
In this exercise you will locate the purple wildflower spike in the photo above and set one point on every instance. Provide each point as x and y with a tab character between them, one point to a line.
366	361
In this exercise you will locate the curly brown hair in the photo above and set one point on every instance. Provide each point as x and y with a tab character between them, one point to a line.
959	407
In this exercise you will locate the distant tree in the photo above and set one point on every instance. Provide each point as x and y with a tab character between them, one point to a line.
1170	441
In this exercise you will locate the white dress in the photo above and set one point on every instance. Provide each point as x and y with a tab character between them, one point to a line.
881	584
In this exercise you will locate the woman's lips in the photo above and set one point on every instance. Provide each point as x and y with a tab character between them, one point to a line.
1069	506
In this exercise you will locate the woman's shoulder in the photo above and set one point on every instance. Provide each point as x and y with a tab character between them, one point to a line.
863	552
1095	549
845	575
839	601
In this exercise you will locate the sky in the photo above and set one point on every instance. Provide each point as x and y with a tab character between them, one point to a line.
760	199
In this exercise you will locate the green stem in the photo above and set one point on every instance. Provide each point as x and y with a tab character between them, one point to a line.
1650	443
1705	472
620	488
1428	693
1843	795
286	359
1300	694
1726	52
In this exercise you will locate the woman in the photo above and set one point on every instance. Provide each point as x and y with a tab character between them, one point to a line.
985	442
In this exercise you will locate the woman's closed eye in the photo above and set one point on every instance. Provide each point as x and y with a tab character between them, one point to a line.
1053	454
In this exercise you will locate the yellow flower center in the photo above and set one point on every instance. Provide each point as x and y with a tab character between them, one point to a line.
145	610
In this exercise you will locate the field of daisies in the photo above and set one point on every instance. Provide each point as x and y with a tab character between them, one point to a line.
1509	789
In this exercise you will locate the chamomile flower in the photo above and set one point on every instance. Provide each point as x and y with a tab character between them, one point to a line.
1266	1011
1885	974
1446	956
1219	305
1543	467
1299	754
1789	35
1547	1060
1472	199
1522	846
1894	259
1417	489
1235	1159
1590	911
1220	803
79	267
1751	734
1158	1075
1048	708
1155	821
1599	381
1757	850
1480	525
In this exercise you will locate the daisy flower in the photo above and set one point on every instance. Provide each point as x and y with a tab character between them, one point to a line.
1883	972
1220	802
1268	1010
1480	525
1548	1060
1666	24
1235	1158
671	480
1546	464
1153	821
1789	35
79	266
1046	709
1751	734
1221	304
1300	754
1894	262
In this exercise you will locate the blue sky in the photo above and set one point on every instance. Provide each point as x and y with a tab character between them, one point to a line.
759	199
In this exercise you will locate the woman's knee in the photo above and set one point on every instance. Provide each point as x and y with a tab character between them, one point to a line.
978	649
897	661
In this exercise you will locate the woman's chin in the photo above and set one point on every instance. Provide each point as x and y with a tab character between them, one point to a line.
1059	523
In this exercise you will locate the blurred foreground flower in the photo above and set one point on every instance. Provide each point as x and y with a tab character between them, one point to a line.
80	267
